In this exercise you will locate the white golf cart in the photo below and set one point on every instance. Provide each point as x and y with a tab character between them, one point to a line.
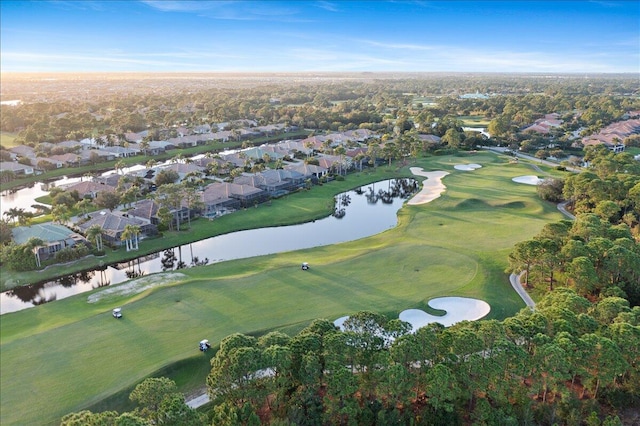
117	313
305	266
204	345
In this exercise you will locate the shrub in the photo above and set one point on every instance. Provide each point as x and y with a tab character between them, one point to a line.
71	253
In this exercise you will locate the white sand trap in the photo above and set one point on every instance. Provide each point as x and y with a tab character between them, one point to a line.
340	322
137	286
432	187
467	167
457	309
528	180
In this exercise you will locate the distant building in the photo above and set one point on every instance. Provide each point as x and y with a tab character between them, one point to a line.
613	135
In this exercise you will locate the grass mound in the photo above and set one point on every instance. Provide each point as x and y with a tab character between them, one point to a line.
514	205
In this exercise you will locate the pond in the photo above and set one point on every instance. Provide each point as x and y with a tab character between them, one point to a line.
359	213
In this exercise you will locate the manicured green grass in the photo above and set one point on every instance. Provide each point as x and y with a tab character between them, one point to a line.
69	355
474	120
8	140
632	150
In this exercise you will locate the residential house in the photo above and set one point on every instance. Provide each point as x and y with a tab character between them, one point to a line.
335	162
70	145
613	135
113	225
274	182
544	125
290	147
136	137
69	159
204	128
234	158
55	238
112	179
17	168
86	155
308	171
217	200
146	210
430	139
258	153
39	161
183	169
222	165
89	189
23	151
360	135
121	151
247	195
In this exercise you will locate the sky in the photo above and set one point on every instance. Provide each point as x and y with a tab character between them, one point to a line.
320	36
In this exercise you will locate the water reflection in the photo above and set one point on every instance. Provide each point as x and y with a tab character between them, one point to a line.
352	219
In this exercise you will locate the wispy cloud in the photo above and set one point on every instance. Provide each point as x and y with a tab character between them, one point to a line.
395	46
186	5
96	6
232	10
331	7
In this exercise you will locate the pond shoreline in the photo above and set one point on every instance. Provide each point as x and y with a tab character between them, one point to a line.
311	231
198	230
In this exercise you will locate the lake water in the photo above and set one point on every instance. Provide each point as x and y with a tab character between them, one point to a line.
368	211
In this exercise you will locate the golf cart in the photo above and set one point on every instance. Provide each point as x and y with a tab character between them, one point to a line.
117	313
305	266
204	345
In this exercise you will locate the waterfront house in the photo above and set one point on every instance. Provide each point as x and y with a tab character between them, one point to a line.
54	237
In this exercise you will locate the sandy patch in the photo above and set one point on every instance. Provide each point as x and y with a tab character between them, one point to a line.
432	187
528	180
457	309
136	286
467	167
340	322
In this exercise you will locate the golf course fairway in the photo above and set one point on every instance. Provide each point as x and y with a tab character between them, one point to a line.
69	355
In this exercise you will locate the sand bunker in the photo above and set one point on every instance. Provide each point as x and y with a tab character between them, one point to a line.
432	187
457	309
467	167
528	180
137	286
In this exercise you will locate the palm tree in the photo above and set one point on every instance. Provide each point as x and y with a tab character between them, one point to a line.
94	233
14	213
33	243
358	158
144	145
83	205
119	166
130	236
60	213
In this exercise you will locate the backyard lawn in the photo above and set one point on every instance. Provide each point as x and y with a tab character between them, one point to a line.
69	355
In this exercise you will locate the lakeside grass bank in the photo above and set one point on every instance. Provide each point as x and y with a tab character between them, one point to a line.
299	207
69	355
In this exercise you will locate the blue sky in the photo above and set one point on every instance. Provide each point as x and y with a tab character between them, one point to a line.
324	36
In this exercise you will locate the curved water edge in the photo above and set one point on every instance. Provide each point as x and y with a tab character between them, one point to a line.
352	219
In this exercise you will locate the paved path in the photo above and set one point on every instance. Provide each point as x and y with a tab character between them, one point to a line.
198	401
517	286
